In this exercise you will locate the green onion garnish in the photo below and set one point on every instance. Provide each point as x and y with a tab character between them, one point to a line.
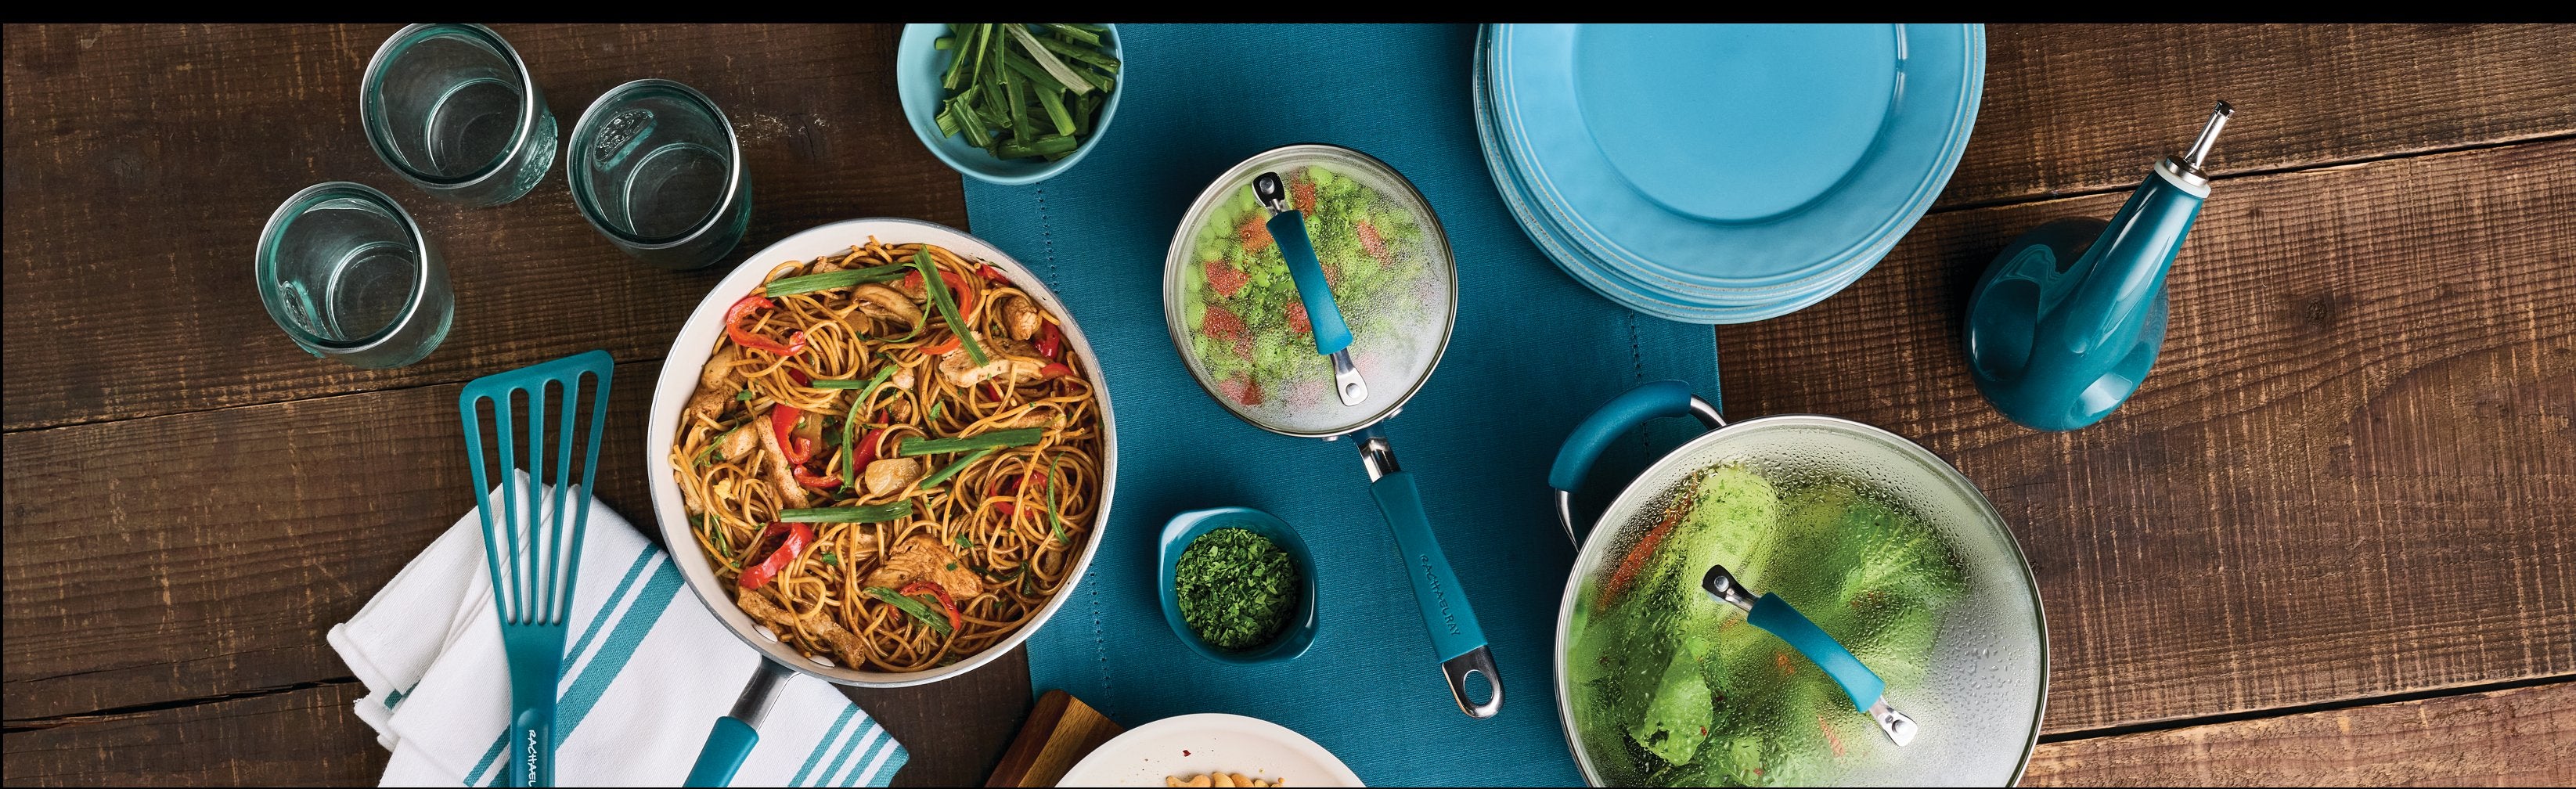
998	438
1052	518
833	279
953	467
914	607
867	514
850	427
946	304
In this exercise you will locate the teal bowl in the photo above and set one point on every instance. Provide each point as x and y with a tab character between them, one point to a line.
1186	527
918	65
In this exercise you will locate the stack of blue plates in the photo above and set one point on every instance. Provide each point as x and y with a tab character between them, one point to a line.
1723	173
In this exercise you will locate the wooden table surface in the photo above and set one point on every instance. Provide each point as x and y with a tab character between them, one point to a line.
2330	540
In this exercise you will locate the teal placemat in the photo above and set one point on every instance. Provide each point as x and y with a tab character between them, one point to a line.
1532	354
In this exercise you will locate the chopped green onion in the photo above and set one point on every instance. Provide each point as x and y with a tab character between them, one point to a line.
850	428
916	608
1052	518
1076	33
996	439
944	43
828	558
1047	60
959	465
744	396
868	514
1104	62
833	279
947	305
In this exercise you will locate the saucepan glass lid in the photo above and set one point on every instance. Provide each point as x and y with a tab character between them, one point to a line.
1235	312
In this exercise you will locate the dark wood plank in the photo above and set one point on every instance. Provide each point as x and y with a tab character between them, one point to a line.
2071	108
2352	473
106	115
205	554
2519	737
304	737
143	159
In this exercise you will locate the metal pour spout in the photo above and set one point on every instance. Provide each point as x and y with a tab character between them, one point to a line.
2189	161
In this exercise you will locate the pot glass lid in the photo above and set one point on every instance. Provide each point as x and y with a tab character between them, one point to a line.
1235	310
1883	547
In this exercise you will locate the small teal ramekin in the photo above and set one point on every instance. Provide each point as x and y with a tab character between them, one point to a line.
1296	636
918	65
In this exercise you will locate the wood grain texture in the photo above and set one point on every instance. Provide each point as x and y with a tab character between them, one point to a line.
304	737
2519	737
2076	108
146	158
2352	473
228	588
1059	732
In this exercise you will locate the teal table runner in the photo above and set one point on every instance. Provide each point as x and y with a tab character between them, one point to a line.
1532	354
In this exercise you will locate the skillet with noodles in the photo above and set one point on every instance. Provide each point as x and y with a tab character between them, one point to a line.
893	471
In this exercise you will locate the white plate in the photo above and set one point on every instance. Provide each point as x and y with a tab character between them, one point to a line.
679	379
1209	742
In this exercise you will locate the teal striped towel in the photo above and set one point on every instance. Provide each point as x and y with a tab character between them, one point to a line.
647	672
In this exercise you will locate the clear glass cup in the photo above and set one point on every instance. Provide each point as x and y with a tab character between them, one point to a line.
452	109
345	271
655	166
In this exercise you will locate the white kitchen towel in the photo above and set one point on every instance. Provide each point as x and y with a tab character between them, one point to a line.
647	670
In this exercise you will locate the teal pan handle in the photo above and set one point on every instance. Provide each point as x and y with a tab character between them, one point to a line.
727	746
1776	615
1455	636
1289	229
1648	401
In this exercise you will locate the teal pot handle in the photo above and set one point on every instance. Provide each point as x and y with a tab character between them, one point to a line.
1650	400
727	746
1776	615
1455	635
1288	227
730	742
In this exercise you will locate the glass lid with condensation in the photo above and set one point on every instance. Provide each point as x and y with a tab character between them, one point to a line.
1253	339
1875	541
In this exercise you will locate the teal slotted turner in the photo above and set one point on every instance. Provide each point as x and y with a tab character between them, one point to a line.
532	540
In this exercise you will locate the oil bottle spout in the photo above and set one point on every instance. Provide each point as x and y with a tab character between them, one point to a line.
2187	164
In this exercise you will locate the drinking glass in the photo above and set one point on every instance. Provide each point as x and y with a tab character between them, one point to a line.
656	168
451	108
345	271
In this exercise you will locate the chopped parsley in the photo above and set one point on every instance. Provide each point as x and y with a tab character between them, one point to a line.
1236	588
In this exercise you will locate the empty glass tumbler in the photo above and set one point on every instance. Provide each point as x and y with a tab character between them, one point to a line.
347	274
657	168
452	109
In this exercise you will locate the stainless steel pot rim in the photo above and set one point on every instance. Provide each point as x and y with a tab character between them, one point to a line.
1940	469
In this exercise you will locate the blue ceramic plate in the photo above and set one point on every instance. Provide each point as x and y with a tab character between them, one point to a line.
1606	279
918	65
1746	164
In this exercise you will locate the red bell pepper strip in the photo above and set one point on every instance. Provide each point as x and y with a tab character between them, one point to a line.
956	621
758	575
800	378
1053	370
943	347
1050	340
742	335
782	423
814	481
993	274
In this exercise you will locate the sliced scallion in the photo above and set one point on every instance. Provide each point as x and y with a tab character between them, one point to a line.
833	279
959	465
916	608
996	439
947	305
871	513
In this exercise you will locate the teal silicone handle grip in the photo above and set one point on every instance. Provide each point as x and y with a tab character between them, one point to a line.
1774	614
1650	400
532	747
727	745
1289	229
1444	605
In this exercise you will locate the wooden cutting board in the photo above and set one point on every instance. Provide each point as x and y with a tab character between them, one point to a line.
1060	731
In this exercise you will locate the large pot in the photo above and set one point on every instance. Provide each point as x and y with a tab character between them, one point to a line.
1976	701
